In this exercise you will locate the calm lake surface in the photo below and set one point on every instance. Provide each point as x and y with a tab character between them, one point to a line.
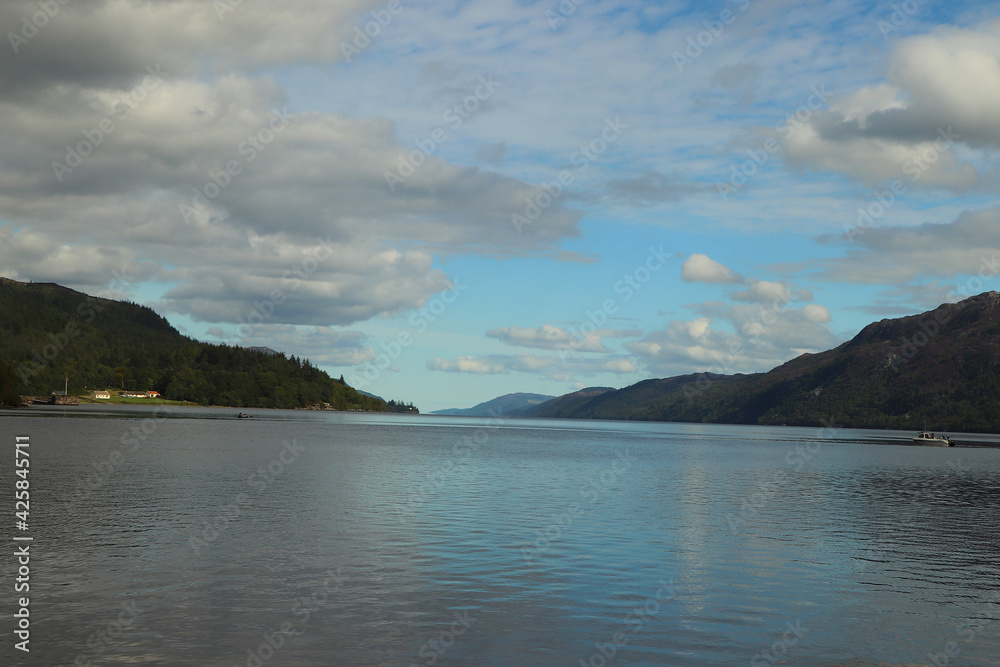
188	537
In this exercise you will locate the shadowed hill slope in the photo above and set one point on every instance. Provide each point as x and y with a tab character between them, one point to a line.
941	368
49	333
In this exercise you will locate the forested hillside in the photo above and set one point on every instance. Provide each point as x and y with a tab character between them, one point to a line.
49	333
940	368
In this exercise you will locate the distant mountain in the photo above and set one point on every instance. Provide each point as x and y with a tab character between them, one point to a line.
566	405
265	350
49	333
503	405
941	368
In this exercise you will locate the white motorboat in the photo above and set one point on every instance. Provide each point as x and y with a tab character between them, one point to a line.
931	440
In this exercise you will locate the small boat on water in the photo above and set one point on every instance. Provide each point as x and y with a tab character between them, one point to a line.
930	440
242	415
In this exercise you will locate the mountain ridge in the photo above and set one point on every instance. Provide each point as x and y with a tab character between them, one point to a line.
506	405
941	366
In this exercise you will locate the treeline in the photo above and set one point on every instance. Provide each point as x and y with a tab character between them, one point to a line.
9	396
49	333
399	406
851	394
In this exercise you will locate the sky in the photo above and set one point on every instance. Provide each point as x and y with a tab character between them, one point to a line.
446	202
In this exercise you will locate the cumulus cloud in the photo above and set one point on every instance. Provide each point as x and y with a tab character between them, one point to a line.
700	268
475	365
758	329
124	146
681	346
753	339
548	337
769	291
552	368
100	43
324	346
888	255
943	90
815	313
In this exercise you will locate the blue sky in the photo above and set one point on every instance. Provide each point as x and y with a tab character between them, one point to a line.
742	181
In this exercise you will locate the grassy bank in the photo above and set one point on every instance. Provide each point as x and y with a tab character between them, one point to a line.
118	400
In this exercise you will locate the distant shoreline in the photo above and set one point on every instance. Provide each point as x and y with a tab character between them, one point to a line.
101	402
967	439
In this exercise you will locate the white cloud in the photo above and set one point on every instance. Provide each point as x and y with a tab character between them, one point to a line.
552	368
900	255
466	365
757	332
815	313
942	93
295	212
952	76
546	337
324	346
701	269
762	291
770	292
549	337
764	338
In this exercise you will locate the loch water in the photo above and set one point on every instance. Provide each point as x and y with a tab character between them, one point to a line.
183	536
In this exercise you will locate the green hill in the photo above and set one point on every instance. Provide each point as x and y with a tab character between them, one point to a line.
563	406
941	368
49	333
508	404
